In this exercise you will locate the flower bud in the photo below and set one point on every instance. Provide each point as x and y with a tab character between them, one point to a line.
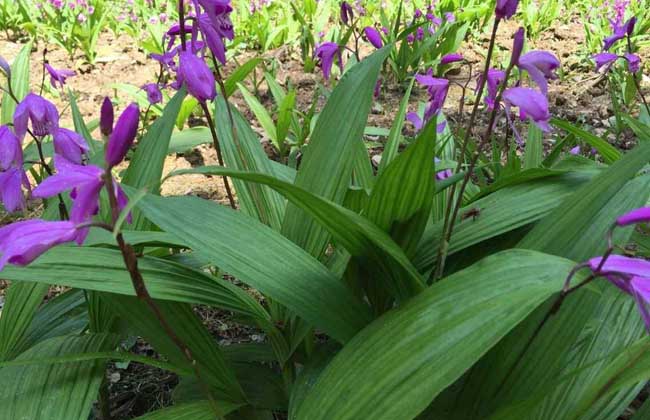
373	37
197	76
347	14
106	117
506	8
123	135
517	46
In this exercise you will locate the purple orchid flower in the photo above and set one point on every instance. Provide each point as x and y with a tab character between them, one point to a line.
85	183
197	76
154	95
437	89
495	78
326	53
541	66
5	67
451	58
630	275
604	59
517	45
505	9
12	174
216	26
450	17
58	77
23	242
575	150
633	62
373	36
640	215
444	174
347	13
531	104
123	135
106	117
70	145
620	32
40	112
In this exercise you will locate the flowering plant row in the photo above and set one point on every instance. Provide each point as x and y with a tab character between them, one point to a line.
466	275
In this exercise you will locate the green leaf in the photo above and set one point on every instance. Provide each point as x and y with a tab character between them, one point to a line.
239	74
359	236
188	139
328	162
198	410
500	212
401	200
189	103
607	151
285	113
392	144
146	167
242	150
57	391
248	250
21	303
19	82
534	148
262	115
394	367
79	123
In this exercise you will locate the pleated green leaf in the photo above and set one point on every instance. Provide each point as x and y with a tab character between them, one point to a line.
394	367
499	213
19	84
607	151
242	150
261	257
359	236
58	391
328	162
198	410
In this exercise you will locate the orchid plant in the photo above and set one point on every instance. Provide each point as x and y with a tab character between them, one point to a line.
462	275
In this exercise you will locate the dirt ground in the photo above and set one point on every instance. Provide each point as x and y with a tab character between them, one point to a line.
136	389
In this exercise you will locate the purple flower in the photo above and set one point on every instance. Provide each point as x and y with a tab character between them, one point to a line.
540	65
451	58
633	62
347	14
154	95
197	76
216	26
70	145
640	215
450	17
372	35
123	135
58	76
417	14
575	151
505	9
419	34
326	53
23	242
531	104
437	89
40	112
631	275
495	78
12	174
4	66
604	59
440	175
517	45
620	31
106	117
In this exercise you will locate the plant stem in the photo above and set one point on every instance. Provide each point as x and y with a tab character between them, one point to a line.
63	210
444	244
217	147
131	262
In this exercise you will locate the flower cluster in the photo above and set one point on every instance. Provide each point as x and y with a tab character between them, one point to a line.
606	59
208	28
22	242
